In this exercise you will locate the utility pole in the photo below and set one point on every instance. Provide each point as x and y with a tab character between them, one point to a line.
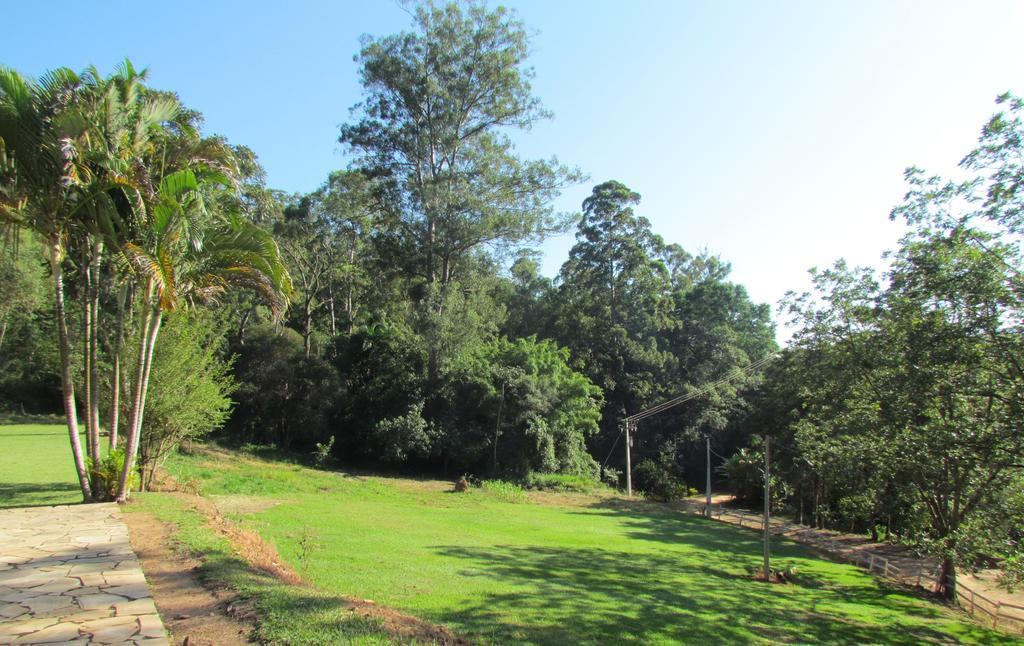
707	487
629	464
767	513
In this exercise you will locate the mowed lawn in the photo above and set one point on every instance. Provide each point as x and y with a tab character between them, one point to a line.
556	569
36	467
544	569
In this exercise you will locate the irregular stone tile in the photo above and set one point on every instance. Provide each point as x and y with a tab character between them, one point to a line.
85	615
115	630
78	592
18	596
62	632
25	626
97	601
12	610
94	579
150	627
62	584
136	591
75	563
50	605
94	567
136	607
124	577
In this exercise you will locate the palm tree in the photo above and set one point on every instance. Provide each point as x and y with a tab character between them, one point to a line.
42	128
73	167
189	255
124	130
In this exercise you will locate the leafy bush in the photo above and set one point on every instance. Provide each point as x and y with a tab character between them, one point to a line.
322	453
404	437
611	477
107	474
657	481
562	482
189	389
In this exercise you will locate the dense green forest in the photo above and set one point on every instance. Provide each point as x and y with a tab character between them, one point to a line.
155	287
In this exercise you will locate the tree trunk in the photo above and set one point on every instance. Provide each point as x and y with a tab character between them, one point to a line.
147	341
497	430
94	364
91	434
946	585
115	377
67	385
430	250
307	327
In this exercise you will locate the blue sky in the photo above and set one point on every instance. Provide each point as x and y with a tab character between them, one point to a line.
774	134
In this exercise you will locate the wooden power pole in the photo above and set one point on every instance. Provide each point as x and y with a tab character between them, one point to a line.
707	486
629	465
767	512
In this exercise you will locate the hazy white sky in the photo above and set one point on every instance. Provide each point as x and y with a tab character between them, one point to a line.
774	134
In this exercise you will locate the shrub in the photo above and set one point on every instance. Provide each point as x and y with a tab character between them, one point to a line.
322	453
562	482
611	477
107	475
657	481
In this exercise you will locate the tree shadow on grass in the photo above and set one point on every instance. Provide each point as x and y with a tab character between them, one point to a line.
38	494
288	613
696	590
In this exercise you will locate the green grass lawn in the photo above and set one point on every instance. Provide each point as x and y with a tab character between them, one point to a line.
562	570
497	566
36	467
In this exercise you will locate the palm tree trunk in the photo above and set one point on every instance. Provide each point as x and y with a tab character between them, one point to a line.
94	364
67	385
115	374
150	330
90	436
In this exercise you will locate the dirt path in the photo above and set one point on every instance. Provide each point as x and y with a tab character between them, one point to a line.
193	614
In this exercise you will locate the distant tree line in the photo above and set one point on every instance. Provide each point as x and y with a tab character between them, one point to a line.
419	333
898	407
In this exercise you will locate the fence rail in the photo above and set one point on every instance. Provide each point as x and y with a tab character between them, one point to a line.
995	613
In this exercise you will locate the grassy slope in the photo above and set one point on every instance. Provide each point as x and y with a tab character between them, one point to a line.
600	571
288	614
36	467
588	570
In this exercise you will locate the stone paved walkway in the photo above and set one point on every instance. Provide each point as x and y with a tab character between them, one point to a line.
68	575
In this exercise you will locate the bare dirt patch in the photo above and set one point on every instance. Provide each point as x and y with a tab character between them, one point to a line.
192	613
242	504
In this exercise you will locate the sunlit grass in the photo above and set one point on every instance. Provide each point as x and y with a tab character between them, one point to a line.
36	466
500	567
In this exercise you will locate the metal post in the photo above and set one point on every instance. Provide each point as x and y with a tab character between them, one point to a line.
629	465
767	513
707	487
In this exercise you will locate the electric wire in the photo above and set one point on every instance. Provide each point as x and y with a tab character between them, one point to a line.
707	388
614	444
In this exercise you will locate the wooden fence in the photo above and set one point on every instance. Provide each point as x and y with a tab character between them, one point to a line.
997	614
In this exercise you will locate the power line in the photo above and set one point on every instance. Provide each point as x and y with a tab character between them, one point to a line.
614	444
735	374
